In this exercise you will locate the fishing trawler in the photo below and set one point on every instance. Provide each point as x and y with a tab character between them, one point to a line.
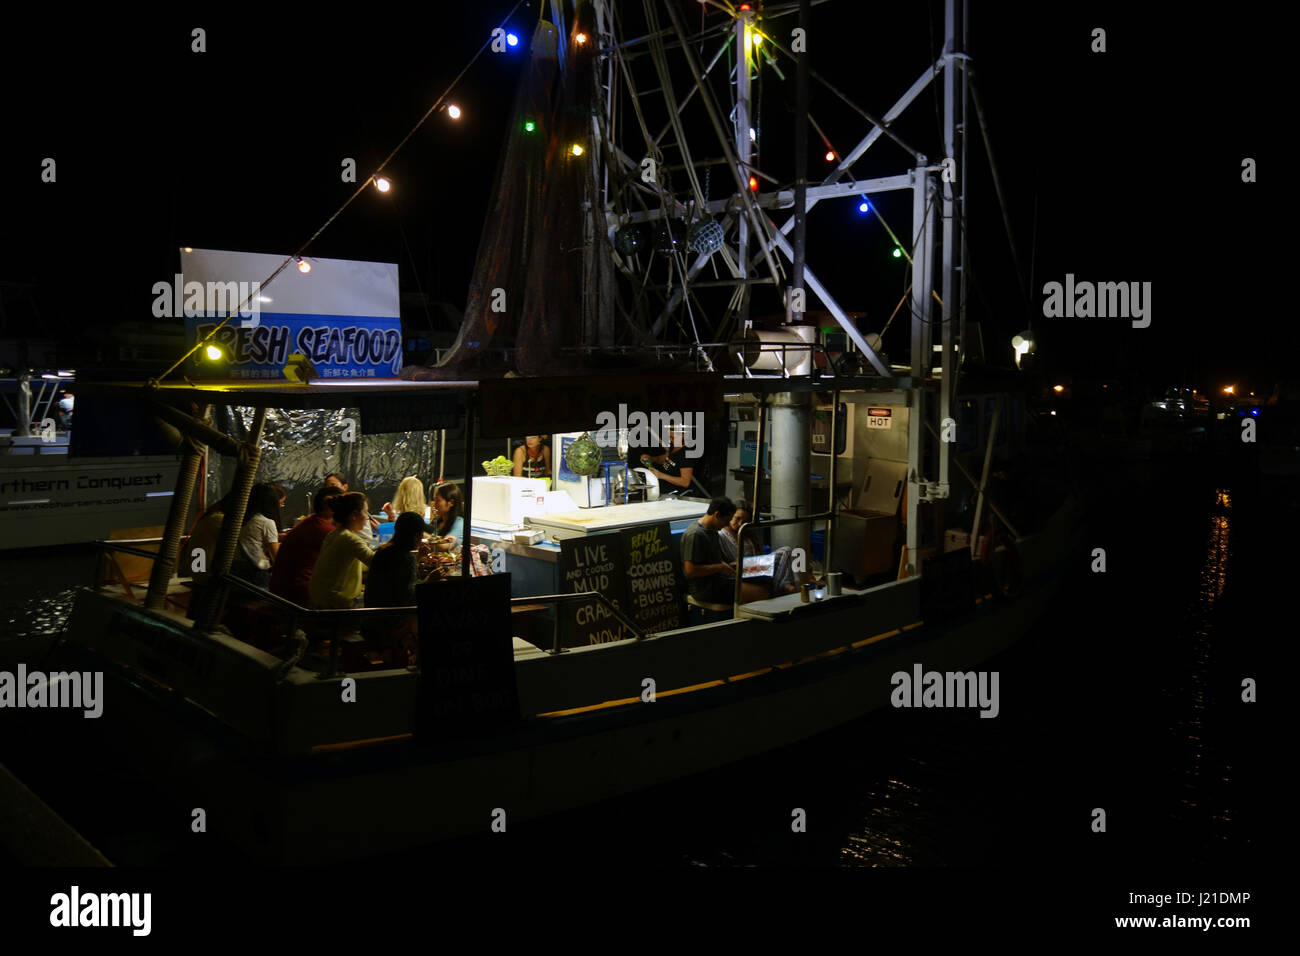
314	747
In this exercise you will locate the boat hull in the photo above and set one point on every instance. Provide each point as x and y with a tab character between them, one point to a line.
355	797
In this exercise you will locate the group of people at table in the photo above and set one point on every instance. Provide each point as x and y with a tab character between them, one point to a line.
319	563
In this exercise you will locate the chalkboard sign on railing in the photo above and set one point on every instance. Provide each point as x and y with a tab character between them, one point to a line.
593	563
467	658
656	583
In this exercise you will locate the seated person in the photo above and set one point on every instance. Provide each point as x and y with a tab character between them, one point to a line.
394	569
708	578
782	579
335	479
259	537
300	549
448	525
336	581
532	458
409	497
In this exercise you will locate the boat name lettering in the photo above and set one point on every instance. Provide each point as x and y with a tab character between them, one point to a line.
82	482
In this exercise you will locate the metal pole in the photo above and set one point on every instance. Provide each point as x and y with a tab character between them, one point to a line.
800	166
24	404
952	309
758	453
467	492
164	566
791	465
920	361
744	150
835	458
984	475
250	456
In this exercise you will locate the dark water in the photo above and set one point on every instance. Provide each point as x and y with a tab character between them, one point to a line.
1125	697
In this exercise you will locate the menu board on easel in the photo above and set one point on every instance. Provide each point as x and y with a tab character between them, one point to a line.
593	563
655	581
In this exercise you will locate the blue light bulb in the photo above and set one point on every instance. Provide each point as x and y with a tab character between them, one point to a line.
512	39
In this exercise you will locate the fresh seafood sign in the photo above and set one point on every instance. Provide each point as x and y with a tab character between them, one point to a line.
342	314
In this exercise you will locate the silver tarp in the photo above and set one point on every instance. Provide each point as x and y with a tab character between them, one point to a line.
301	447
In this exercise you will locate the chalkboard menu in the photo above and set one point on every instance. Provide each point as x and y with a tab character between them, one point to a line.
638	569
593	563
656	583
467	658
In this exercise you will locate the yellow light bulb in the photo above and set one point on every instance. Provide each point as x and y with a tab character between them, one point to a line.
576	150
214	353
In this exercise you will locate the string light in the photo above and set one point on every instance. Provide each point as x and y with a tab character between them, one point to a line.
512	39
898	253
382	184
189	248
864	207
753	184
304	266
580	39
830	155
453	111
576	150
529	126
213	352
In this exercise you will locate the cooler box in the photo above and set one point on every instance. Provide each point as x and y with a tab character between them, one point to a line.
507	500
865	535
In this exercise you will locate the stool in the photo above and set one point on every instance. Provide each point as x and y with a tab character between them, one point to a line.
702	612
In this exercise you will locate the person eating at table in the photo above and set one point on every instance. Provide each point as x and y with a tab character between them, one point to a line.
336	579
300	550
448	508
337	480
394	571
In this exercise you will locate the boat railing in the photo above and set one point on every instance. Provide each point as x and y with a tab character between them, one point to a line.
343	621
827	516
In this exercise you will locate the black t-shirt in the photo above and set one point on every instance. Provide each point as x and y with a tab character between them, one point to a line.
700	546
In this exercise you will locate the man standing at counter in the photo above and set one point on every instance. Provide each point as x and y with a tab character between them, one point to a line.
708	578
660	464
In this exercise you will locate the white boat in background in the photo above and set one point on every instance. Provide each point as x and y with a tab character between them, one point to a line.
50	495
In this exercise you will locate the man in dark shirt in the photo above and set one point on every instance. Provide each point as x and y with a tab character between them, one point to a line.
708	577
300	548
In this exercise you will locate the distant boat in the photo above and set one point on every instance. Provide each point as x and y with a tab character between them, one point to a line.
54	491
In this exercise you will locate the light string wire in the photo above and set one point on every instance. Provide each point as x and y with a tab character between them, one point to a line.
154	383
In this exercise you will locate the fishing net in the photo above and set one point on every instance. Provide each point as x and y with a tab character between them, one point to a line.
544	281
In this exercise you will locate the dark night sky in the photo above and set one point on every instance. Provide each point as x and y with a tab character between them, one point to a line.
1134	156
